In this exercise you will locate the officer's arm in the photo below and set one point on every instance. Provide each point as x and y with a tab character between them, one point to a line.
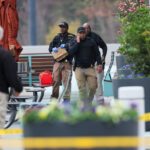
102	45
53	44
97	53
73	47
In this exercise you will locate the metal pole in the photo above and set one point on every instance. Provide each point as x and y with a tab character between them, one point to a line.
32	22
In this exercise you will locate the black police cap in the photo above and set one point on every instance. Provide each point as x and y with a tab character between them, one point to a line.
81	29
64	24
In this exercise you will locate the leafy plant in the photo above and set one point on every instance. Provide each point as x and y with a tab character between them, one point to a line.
79	112
129	6
135	34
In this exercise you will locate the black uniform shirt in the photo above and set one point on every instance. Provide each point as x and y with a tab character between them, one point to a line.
99	41
86	53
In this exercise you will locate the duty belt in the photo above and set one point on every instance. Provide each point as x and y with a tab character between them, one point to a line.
91	66
66	60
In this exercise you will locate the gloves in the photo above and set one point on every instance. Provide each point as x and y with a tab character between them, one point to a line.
55	49
62	46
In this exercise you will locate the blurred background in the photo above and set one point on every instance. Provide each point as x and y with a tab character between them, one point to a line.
39	19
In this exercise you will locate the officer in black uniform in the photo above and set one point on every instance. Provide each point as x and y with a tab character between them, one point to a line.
86	53
100	44
61	69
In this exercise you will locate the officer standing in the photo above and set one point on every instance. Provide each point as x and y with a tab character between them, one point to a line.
101	44
61	68
86	53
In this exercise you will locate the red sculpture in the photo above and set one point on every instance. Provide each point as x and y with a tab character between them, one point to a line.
9	21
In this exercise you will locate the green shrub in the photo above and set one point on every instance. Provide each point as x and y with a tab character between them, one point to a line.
135	36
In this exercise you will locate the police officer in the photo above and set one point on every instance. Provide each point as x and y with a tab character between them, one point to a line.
101	44
85	52
61	68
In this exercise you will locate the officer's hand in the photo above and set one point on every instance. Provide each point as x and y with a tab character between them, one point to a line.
62	46
78	38
16	94
99	68
12	49
55	49
103	58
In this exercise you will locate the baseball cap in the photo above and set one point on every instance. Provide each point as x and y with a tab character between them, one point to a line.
81	29
64	24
